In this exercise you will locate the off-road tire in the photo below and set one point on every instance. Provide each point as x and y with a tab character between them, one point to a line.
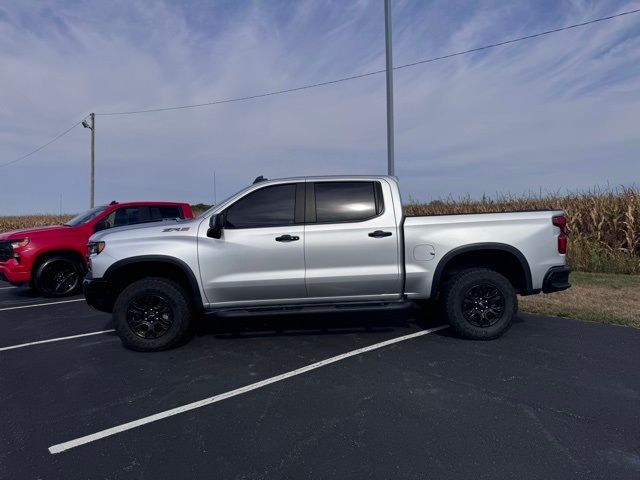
176	299
460	294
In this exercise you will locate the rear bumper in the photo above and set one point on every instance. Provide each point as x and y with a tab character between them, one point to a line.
14	272
98	293
556	279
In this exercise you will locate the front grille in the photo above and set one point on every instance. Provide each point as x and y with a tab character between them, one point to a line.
6	252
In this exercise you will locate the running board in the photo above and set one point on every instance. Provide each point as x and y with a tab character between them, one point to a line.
312	307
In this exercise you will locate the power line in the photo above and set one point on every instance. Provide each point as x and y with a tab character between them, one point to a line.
331	82
528	37
249	97
58	137
376	72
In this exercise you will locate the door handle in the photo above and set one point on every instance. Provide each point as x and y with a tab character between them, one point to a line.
380	234
287	238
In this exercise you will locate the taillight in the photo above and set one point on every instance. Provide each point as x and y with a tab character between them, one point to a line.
561	222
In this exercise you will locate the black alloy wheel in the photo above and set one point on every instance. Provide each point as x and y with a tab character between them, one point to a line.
58	277
483	305
149	315
152	314
479	303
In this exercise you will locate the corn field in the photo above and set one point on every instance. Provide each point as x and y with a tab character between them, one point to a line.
604	224
16	222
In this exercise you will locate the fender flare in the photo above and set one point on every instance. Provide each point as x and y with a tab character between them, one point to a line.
176	262
451	254
44	257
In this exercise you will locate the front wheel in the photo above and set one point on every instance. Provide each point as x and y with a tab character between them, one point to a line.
59	276
479	304
152	314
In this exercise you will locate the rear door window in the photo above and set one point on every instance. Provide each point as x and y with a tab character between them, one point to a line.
345	201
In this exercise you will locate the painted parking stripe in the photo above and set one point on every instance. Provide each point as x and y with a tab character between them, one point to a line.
59	339
41	304
61	447
6	288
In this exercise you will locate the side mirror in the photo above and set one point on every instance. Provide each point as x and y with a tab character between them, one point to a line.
216	224
101	225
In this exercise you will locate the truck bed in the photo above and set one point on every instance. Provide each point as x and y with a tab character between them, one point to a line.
429	239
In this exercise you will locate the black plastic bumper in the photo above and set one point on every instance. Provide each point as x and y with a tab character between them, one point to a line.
98	293
556	279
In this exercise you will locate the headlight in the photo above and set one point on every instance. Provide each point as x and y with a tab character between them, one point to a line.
95	247
23	242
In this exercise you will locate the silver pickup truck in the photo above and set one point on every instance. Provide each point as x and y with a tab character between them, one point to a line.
322	242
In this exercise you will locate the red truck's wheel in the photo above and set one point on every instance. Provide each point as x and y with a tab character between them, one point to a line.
59	276
480	303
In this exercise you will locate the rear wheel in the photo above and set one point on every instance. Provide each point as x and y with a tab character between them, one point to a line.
152	314
59	276
479	304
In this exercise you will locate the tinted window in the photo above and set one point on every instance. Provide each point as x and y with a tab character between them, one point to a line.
123	216
344	201
270	206
168	211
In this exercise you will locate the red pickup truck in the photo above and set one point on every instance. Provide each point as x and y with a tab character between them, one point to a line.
52	260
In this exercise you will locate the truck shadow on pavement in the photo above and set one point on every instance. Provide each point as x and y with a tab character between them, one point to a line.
23	293
408	318
404	320
20	296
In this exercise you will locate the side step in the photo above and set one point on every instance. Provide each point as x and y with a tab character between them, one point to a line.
312	308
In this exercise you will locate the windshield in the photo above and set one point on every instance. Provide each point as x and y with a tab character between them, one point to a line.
86	216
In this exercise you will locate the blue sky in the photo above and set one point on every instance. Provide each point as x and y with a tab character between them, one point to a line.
555	113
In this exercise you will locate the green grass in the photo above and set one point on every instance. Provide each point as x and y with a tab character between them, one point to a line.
595	297
607	280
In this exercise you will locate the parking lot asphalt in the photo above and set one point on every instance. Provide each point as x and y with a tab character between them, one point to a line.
553	398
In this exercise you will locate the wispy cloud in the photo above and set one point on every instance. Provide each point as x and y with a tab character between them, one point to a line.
550	113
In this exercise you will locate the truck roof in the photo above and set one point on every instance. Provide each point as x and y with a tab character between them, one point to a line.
330	177
142	202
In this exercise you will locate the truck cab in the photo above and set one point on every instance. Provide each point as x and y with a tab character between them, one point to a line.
304	241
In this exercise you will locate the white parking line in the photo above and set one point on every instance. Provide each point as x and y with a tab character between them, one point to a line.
59	339
61	447
6	288
41	304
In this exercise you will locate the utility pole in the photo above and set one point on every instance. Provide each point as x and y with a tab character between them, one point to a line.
93	159
389	54
92	126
